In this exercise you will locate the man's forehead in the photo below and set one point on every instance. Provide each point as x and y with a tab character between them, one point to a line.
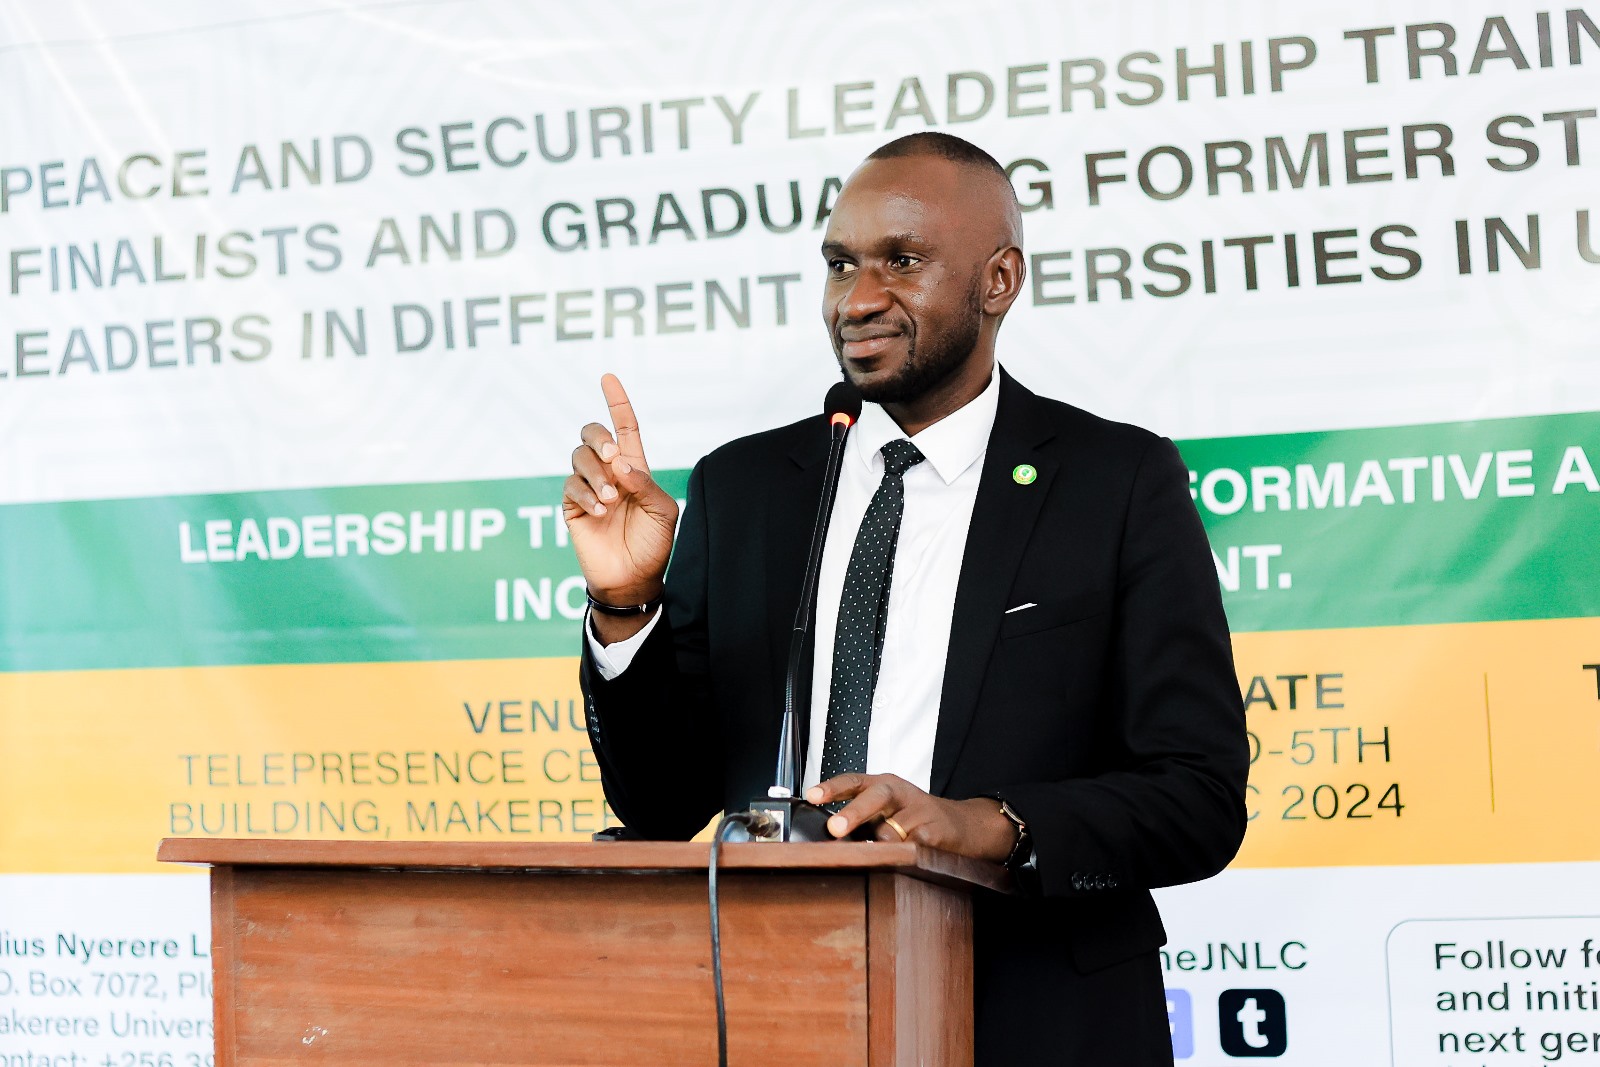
910	194
924	179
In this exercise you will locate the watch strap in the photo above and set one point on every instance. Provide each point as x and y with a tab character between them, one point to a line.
1022	851
623	610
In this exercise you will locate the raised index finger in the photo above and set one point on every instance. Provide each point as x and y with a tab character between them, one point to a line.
624	421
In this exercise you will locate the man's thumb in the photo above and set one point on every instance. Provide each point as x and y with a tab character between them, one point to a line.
634	480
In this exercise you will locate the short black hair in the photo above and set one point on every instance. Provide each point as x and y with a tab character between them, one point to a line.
945	146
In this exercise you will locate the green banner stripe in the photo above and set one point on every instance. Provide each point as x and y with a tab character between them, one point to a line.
1457	522
1460	522
462	570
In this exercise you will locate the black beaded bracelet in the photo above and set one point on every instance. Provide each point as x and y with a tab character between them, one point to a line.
611	609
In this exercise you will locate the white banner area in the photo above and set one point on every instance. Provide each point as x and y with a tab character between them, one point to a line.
186	190
302	245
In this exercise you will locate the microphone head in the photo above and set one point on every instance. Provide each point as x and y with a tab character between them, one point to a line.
843	404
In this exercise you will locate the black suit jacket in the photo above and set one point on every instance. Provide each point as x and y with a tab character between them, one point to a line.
1109	715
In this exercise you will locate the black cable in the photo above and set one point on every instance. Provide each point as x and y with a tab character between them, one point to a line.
733	818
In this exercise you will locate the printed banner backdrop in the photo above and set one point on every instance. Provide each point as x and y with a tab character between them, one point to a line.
305	302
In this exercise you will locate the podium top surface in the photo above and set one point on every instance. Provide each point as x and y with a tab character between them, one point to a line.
585	857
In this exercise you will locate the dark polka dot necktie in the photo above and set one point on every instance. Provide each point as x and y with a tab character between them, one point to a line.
863	614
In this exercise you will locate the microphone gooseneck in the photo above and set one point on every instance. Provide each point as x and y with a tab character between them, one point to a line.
842	407
781	815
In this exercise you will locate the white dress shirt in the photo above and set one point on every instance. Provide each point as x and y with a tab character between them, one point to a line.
939	496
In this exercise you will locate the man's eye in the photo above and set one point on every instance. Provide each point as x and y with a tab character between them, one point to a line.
840	266
903	262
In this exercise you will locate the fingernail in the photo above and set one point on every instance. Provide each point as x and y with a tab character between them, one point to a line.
837	826
814	794
608	450
623	467
599	509
607	492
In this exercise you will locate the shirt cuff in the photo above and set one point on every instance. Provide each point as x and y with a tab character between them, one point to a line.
612	660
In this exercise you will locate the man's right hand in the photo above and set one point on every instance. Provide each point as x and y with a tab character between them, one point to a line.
621	522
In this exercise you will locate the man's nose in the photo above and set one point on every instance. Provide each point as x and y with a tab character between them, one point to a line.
865	297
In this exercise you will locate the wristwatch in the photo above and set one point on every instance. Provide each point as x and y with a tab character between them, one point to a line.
624	610
1022	852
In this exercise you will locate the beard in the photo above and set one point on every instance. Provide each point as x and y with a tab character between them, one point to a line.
931	360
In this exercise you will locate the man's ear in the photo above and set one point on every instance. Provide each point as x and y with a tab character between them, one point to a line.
1003	277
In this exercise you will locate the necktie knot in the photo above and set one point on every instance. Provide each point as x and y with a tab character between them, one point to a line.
900	456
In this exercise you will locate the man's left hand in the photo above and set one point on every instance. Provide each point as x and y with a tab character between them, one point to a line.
973	828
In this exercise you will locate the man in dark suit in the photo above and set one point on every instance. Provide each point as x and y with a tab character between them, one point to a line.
1047	676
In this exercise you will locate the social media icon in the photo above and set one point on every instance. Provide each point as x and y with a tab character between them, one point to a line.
1180	1022
1253	1022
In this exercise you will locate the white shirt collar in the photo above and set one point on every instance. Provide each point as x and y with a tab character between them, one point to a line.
950	445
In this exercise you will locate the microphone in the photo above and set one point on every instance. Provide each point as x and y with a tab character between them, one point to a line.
781	815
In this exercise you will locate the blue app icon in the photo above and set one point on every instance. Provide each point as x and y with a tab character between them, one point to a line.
1180	1021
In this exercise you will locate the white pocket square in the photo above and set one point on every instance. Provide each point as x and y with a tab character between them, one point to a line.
1021	607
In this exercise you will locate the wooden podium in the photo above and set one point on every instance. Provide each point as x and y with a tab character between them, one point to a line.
356	953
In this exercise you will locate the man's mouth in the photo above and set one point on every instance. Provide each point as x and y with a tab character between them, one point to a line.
867	343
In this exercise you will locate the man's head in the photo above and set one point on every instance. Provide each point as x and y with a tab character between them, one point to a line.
924	254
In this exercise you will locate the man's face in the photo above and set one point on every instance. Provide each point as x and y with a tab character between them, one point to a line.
903	299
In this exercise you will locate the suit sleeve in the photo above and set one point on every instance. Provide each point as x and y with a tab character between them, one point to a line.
652	727
1170	806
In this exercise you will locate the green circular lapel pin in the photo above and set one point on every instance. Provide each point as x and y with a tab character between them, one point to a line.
1023	474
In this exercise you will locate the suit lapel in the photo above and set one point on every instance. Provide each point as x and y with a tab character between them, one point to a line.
791	513
1003	518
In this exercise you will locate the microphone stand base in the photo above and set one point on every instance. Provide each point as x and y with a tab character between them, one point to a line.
788	819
